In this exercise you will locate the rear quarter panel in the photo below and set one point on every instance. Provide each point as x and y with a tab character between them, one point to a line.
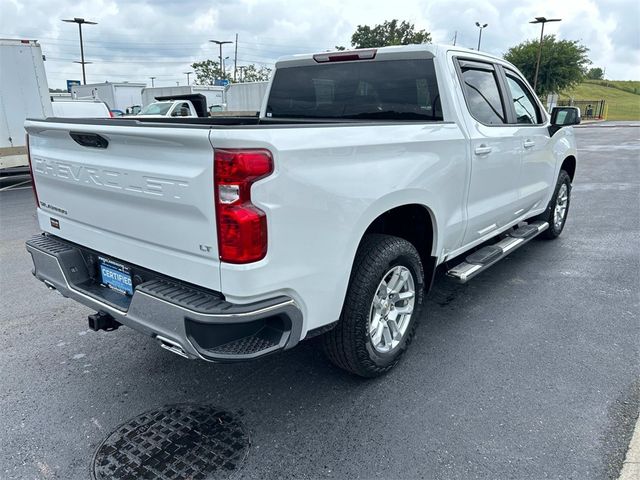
329	184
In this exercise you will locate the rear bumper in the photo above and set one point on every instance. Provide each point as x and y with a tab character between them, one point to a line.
197	323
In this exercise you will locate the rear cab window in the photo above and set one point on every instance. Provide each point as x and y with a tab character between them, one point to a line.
363	90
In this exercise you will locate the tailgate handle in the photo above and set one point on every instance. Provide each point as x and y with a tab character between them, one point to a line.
92	140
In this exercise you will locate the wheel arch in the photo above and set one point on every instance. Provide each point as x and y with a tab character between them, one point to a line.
416	223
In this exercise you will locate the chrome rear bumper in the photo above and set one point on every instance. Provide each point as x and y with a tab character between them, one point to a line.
185	319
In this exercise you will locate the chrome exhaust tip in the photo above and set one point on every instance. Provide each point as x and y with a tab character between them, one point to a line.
172	346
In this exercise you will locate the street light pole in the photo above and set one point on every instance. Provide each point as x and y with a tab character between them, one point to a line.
152	83
235	60
187	74
224	69
220	43
80	22
481	27
542	21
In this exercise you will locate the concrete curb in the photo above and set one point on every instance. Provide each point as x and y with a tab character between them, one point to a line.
631	465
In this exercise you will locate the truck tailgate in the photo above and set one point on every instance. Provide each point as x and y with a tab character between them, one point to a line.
145	196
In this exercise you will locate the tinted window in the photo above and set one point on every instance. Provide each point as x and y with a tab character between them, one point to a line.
158	108
374	90
483	96
526	108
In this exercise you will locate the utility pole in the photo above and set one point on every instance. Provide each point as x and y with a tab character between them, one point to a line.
541	20
187	74
152	79
80	22
455	38
481	27
235	60
224	69
220	43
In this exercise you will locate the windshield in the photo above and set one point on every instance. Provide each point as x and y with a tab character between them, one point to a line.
375	90
158	108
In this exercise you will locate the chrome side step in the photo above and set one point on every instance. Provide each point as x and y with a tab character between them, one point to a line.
482	259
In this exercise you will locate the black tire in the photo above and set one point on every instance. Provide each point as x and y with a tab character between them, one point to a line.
554	230
349	345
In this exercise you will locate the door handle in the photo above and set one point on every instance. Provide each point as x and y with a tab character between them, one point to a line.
482	149
529	143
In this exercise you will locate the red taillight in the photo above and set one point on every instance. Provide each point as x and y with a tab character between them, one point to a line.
110	113
242	227
33	180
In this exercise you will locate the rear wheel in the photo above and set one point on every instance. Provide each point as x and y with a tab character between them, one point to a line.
381	307
556	213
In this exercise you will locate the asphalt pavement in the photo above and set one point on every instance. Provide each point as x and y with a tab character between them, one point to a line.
528	372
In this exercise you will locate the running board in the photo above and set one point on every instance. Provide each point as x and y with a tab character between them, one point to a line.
482	259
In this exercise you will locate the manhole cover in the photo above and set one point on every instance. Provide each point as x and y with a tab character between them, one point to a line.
174	442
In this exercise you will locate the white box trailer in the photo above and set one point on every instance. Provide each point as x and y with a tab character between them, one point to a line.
245	97
24	93
214	95
118	96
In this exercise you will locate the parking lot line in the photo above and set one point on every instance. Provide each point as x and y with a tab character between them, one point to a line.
631	465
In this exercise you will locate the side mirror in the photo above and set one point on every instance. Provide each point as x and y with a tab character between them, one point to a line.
564	117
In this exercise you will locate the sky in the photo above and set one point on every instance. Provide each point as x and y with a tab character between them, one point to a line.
137	39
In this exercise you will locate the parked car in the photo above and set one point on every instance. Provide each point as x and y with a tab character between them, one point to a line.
214	95
117	113
229	239
169	108
80	109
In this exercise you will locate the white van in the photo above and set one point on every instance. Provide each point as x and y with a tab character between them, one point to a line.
80	109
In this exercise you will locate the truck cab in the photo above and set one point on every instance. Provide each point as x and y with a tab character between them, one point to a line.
169	108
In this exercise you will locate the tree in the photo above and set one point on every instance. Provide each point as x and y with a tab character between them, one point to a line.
206	72
563	63
595	73
391	32
251	73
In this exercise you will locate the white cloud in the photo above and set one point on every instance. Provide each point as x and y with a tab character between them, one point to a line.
136	39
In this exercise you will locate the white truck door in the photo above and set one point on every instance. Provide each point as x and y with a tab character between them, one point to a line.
495	150
537	177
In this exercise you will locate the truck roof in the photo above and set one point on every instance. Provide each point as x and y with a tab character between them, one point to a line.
427	49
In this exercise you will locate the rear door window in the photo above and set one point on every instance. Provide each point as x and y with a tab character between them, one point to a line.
368	90
482	94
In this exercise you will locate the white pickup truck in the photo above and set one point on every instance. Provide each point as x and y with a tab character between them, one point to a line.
232	238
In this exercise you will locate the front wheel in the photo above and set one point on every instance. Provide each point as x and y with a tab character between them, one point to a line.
381	307
556	213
